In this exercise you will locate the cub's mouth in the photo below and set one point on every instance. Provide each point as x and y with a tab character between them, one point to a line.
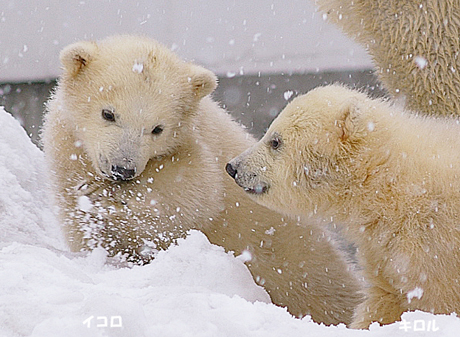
248	181
118	170
257	189
122	173
119	173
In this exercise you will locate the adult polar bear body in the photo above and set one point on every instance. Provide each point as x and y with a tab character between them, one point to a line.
391	176
137	151
414	46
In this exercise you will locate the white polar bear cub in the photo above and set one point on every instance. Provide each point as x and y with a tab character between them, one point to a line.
392	177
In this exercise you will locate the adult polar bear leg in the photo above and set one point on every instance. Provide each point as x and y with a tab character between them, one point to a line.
414	46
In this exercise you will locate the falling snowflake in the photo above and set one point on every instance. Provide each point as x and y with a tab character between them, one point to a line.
370	126
421	62
138	67
270	231
416	292
245	256
288	94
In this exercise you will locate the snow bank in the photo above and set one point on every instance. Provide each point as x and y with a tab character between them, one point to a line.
25	215
193	289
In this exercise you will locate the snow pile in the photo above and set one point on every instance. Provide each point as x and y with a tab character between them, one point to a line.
25	214
193	289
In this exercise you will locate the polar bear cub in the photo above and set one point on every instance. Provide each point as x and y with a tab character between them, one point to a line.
391	176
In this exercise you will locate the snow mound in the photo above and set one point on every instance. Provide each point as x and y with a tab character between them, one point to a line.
25	212
192	289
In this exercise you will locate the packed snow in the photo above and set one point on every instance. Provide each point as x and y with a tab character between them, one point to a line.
192	289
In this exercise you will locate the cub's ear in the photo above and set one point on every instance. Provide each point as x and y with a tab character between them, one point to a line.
77	56
203	81
348	121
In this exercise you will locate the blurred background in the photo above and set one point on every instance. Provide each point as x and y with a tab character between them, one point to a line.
265	52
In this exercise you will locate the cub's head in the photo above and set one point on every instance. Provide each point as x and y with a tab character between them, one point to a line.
299	164
128	99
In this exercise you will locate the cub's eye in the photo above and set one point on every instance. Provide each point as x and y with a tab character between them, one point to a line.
275	143
108	115
157	130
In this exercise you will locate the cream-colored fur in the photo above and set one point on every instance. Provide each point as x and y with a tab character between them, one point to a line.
391	176
414	44
128	108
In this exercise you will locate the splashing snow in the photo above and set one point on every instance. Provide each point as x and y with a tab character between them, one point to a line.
84	203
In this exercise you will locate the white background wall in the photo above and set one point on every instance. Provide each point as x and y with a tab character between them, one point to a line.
227	36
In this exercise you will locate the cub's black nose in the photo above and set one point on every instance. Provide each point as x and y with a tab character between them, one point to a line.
230	170
122	173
